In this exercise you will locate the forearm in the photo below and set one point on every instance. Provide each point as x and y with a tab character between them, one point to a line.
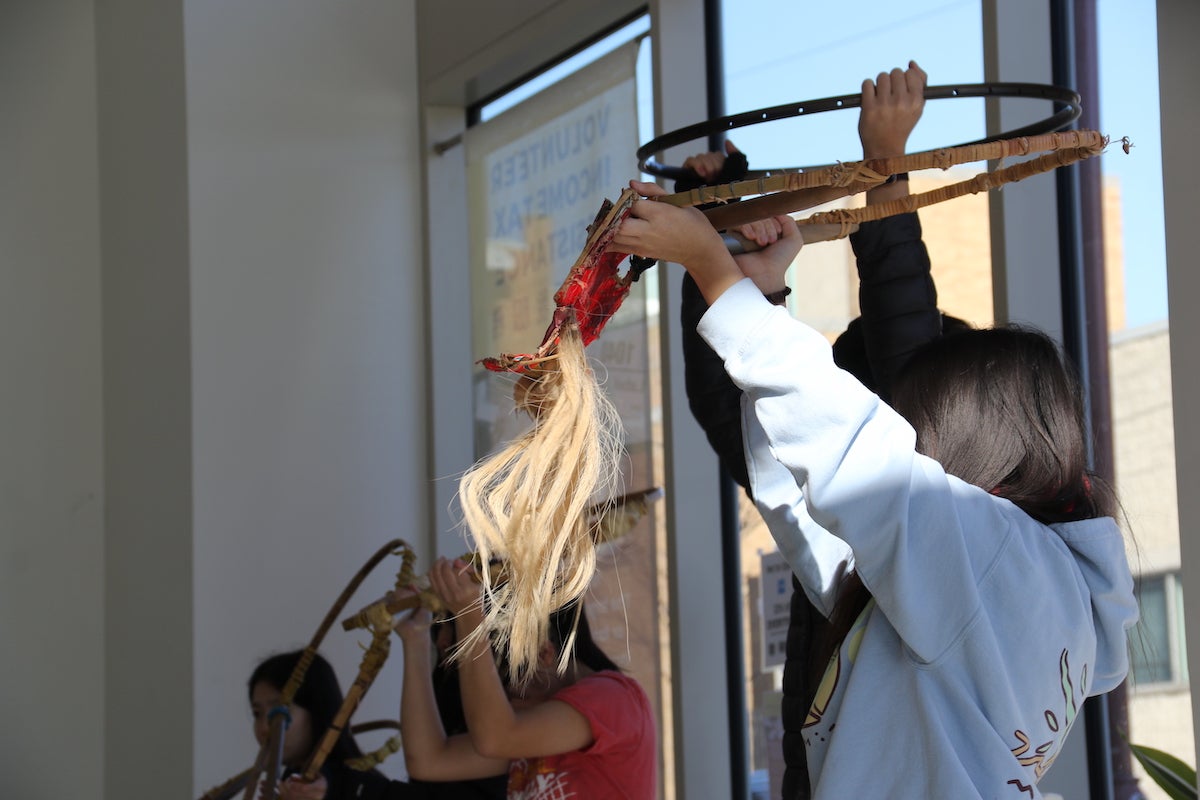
490	716
897	295
714	400
425	741
896	190
429	754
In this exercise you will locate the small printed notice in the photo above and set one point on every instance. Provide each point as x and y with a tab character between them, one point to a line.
776	605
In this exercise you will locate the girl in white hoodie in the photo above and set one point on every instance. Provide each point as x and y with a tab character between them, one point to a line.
972	569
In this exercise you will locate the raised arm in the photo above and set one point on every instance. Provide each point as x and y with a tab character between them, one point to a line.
714	400
914	530
838	463
896	293
495	727
429	754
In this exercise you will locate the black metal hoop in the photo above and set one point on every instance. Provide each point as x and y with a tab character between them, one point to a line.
1055	122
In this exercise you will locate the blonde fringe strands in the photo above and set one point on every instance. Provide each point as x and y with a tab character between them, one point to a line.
531	505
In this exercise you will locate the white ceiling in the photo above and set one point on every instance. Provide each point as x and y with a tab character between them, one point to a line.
469	49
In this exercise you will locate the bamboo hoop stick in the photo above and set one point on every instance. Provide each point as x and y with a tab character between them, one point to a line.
423	597
380	622
373	759
796	191
375	725
380	754
372	663
982	182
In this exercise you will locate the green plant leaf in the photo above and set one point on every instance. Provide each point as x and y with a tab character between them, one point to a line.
1176	778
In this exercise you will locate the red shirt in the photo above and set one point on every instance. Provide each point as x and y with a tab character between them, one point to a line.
622	760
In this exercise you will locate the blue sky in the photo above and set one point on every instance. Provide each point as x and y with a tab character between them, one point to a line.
1129	107
779	51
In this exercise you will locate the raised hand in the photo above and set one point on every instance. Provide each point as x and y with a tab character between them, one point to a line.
684	236
891	106
763	232
768	267
414	625
709	165
455	583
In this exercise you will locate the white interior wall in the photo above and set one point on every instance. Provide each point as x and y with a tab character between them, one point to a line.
213	334
51	475
448	287
148	586
307	337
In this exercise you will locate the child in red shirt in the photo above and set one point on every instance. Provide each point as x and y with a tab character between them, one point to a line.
584	732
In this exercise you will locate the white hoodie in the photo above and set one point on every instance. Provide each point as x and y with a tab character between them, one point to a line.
988	629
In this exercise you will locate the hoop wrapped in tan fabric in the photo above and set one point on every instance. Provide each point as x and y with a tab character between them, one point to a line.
787	193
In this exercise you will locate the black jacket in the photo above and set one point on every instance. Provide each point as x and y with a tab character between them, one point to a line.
899	314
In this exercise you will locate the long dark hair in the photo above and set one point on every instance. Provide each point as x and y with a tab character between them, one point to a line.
571	617
586	651
319	695
1002	409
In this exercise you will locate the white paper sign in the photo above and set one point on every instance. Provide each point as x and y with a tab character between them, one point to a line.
776	607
